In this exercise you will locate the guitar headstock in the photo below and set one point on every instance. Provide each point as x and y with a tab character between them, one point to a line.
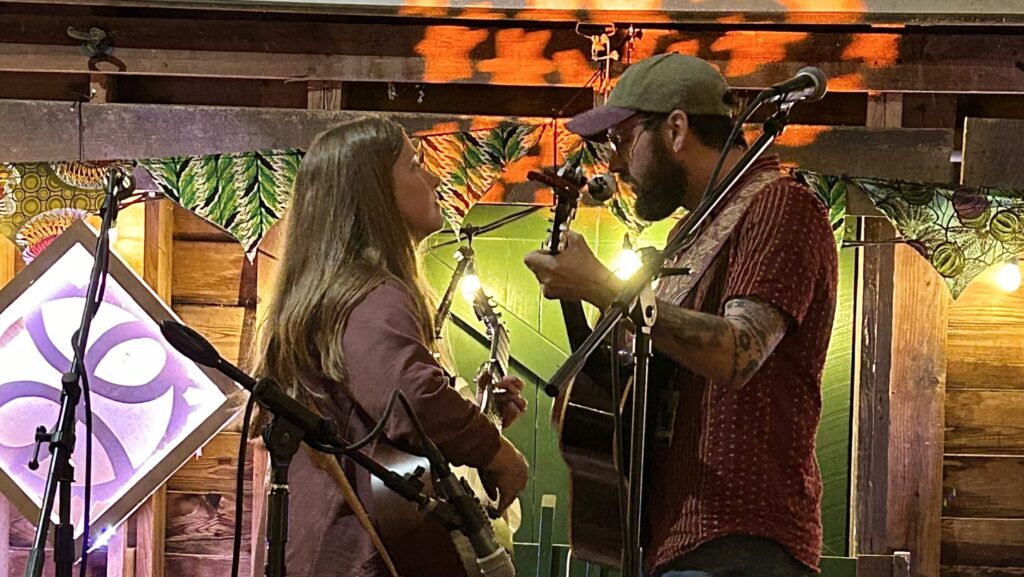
566	184
485	310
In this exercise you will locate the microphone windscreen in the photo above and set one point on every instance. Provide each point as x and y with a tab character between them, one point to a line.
189	343
820	82
602	187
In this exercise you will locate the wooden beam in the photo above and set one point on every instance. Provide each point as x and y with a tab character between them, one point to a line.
921	154
993	152
117	554
993	12
500	53
39	130
151	527
322	95
150	535
871	401
985	542
158	247
5	537
983	486
916	411
154	131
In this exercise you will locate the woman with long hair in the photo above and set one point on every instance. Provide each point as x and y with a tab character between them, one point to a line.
351	321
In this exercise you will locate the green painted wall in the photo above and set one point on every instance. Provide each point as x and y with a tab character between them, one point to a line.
539	345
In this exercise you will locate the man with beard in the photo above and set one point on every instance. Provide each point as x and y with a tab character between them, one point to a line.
736	489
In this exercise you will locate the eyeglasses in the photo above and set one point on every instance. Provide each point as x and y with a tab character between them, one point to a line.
618	141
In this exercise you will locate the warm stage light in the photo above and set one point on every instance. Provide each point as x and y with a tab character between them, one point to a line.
470	285
626	264
1008	277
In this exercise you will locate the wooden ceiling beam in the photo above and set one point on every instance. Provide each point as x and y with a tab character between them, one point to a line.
904	12
50	131
855	62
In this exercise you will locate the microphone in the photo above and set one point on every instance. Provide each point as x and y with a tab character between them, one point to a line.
809	84
602	187
570	176
194	346
121	181
491	558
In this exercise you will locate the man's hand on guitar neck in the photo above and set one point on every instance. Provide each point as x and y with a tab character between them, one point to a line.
574	274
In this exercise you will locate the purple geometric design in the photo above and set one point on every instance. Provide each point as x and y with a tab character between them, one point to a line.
147	399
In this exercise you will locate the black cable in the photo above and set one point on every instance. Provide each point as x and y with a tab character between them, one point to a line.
736	128
236	544
103	258
476	231
379	427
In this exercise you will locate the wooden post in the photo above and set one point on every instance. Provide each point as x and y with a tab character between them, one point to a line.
901	387
324	95
885	110
872	352
151	517
118	558
916	411
871	400
5	531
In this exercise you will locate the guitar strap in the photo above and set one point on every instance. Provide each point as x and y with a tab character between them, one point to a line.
699	257
702	252
329	465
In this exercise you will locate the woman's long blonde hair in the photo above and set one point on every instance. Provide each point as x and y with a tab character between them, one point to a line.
344	237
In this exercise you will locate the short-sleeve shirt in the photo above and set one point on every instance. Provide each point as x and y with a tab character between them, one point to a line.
743	462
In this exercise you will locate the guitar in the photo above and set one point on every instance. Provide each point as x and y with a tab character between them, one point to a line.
584	417
421	546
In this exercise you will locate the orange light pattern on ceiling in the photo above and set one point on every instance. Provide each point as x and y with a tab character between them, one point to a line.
748	51
874	50
445	51
800	135
519	58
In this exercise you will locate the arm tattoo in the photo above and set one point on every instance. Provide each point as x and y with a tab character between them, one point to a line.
757	327
700	342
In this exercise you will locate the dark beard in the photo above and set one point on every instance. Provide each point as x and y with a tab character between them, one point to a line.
663	189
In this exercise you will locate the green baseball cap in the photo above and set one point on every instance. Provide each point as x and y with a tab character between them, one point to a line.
661	83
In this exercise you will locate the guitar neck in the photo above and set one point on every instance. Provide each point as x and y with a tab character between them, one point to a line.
497	367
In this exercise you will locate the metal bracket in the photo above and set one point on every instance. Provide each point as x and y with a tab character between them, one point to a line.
96	42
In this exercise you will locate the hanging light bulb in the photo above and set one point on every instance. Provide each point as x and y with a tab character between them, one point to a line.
1008	276
470	283
626	263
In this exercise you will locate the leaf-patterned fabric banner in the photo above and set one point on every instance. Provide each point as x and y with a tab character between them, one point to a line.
960	230
244	193
469	163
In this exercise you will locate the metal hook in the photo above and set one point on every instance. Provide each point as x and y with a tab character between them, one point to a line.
96	41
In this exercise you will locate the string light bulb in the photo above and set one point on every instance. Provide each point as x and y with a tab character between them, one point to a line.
626	263
1008	275
470	283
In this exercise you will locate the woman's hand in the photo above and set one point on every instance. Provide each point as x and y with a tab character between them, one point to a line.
507	473
508	398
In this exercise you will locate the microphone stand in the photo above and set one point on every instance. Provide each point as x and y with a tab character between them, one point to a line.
293	424
637	301
61	440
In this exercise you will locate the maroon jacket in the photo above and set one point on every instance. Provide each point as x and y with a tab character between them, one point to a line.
383	351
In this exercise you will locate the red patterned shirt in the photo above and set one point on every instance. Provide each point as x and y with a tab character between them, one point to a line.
743	462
